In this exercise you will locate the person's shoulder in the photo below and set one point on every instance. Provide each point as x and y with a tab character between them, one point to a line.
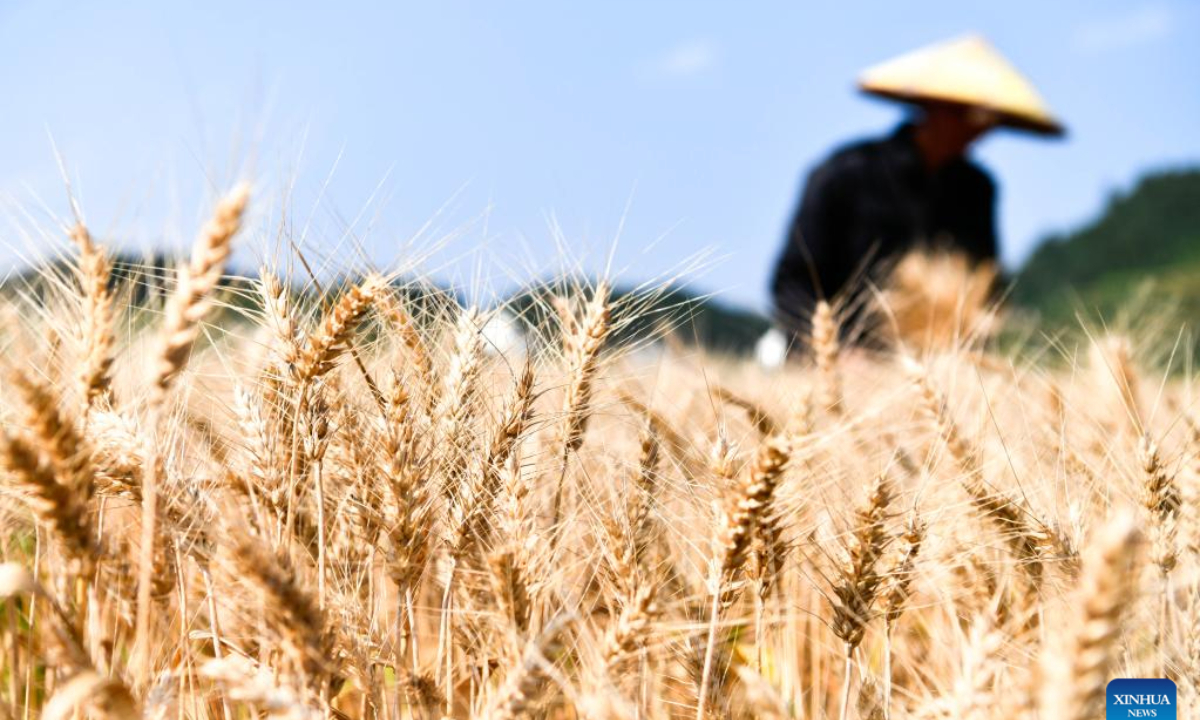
850	158
858	152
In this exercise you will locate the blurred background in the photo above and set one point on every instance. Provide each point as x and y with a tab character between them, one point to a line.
513	135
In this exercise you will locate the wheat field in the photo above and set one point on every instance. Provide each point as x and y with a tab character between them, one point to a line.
346	503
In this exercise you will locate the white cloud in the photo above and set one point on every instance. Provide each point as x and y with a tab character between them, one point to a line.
1141	26
685	60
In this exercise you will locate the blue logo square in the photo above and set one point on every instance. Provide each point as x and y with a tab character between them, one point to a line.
1141	698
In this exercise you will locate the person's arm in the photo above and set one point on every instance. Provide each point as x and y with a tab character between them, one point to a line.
813	260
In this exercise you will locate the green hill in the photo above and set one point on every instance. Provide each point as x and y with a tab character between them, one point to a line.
1146	242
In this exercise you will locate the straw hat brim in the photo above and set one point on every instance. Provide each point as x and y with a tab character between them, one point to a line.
1047	127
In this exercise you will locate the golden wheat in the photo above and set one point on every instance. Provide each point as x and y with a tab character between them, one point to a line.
574	528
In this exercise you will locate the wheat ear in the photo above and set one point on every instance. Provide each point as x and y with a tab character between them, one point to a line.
90	694
508	580
1162	499
1027	535
56	434
1111	364
763	699
456	402
409	511
280	319
895	599
859	580
479	501
583	344
896	595
641	519
85	692
59	506
336	329
900	579
289	607
527	684
95	273
1107	589
629	633
758	415
825	347
751	504
198	279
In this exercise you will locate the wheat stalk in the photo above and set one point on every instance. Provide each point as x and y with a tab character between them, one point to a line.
185	310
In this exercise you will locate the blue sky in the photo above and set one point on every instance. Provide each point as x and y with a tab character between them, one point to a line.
489	123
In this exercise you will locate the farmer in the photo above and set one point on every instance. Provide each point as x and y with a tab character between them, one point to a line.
873	200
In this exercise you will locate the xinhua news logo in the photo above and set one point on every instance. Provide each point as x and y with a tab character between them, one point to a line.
1130	698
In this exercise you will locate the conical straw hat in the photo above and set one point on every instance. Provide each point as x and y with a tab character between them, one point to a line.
966	70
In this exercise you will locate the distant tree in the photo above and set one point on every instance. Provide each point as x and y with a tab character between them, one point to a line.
1150	234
